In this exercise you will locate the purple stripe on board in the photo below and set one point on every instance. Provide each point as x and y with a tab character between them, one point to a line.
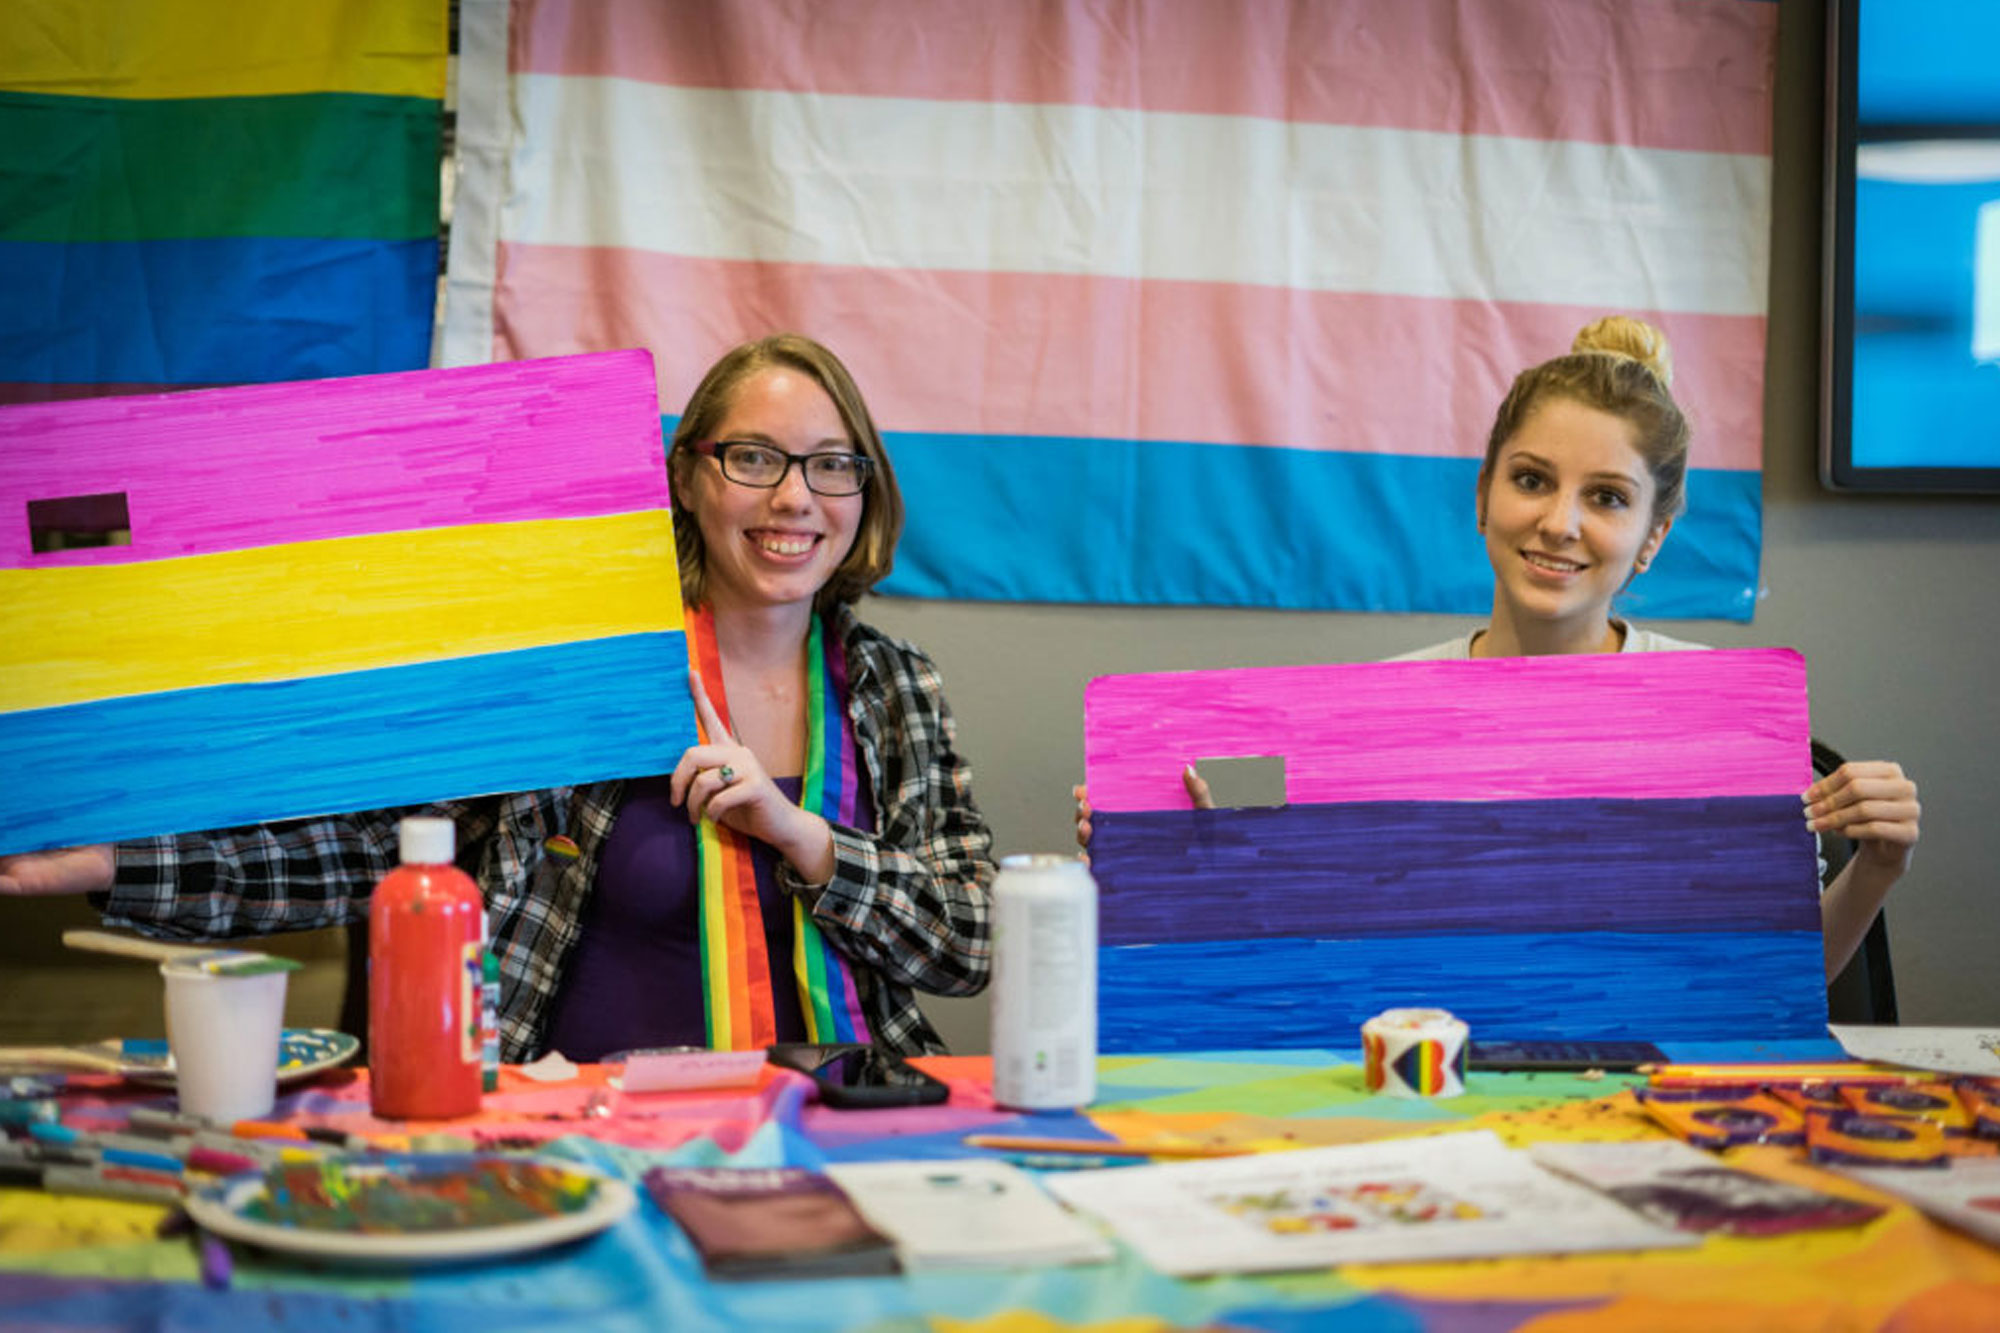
1426	868
1727	722
260	465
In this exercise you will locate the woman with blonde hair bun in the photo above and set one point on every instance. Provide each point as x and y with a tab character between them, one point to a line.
1584	475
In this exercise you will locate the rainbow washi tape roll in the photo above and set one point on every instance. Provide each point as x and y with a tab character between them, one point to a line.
1415	1053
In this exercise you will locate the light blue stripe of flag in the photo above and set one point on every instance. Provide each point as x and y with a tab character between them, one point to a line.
1043	519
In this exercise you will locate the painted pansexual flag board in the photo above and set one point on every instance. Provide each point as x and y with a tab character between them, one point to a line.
207	192
1207	301
1595	846
339	595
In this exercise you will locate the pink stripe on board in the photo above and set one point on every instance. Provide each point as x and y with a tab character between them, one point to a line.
1686	74
1116	358
260	465
1728	722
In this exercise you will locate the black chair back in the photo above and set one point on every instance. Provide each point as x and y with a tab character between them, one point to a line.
1865	990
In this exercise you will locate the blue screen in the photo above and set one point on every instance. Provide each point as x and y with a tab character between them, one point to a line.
1926	369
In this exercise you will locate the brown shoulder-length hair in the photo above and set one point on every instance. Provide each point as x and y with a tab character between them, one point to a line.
874	550
1621	366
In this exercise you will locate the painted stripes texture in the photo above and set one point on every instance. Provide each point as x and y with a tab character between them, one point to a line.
240	754
1257	225
1454	867
1727	722
342	595
1597	845
1564	986
344	605
259	465
201	192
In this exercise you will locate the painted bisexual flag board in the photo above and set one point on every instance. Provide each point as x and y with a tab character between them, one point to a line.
1209	302
338	595
1595	846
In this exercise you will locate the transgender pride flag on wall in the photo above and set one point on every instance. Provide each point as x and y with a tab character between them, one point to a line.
1158	302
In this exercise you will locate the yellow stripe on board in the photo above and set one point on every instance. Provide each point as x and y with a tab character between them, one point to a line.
84	632
222	48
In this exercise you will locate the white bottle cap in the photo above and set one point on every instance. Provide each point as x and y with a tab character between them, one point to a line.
426	840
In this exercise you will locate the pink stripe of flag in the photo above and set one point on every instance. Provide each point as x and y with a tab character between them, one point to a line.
1110	358
1639	72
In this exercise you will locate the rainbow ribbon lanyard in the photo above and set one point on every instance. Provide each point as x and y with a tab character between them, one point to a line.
735	963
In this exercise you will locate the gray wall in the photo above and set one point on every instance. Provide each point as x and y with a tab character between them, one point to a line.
1894	603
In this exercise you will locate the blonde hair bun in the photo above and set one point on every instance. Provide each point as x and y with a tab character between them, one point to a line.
1626	336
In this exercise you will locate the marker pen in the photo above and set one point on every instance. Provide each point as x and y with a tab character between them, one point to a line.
113	1182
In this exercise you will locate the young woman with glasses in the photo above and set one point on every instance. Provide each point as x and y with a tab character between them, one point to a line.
1584	474
804	868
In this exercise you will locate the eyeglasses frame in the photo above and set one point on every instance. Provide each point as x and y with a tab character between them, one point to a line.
864	466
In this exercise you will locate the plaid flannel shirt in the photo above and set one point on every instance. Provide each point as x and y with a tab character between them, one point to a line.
907	904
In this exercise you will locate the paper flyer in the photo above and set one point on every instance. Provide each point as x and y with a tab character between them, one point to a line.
968	1213
1946	1050
1456	1196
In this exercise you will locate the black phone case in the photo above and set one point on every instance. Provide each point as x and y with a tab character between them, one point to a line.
810	1057
1563	1055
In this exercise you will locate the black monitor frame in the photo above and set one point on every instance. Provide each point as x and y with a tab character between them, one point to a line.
1837	468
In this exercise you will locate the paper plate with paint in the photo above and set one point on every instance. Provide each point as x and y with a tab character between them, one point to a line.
302	1053
411	1209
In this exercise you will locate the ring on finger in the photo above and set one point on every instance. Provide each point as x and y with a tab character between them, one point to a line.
727	774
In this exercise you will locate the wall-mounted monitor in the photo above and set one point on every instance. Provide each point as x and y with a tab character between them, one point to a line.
1911	315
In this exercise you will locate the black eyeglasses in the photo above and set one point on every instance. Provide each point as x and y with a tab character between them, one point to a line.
748	463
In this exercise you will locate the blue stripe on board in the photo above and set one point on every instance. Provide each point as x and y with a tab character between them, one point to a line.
1248	994
1445	867
1046	519
229	311
239	754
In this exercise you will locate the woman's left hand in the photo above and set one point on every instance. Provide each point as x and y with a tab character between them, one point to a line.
1871	802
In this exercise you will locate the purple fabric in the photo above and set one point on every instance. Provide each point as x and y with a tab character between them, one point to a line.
634	980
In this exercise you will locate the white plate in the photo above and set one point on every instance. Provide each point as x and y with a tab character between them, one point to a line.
302	1052
221	1209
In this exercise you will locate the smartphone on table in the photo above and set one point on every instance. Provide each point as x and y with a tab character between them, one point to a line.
1563	1055
856	1075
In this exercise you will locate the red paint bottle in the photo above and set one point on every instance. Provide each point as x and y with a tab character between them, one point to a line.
426	945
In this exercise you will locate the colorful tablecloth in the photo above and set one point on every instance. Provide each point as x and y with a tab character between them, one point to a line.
72	1263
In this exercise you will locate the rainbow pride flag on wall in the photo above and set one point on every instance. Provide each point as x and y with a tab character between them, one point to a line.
1158	302
205	192
1598	846
339	595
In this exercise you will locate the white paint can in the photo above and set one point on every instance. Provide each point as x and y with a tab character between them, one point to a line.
1044	984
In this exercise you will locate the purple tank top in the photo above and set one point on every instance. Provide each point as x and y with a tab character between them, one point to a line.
634	979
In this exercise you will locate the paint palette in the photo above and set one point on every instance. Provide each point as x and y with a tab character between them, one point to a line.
302	1053
412	1209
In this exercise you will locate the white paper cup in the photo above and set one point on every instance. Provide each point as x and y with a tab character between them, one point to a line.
223	1032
